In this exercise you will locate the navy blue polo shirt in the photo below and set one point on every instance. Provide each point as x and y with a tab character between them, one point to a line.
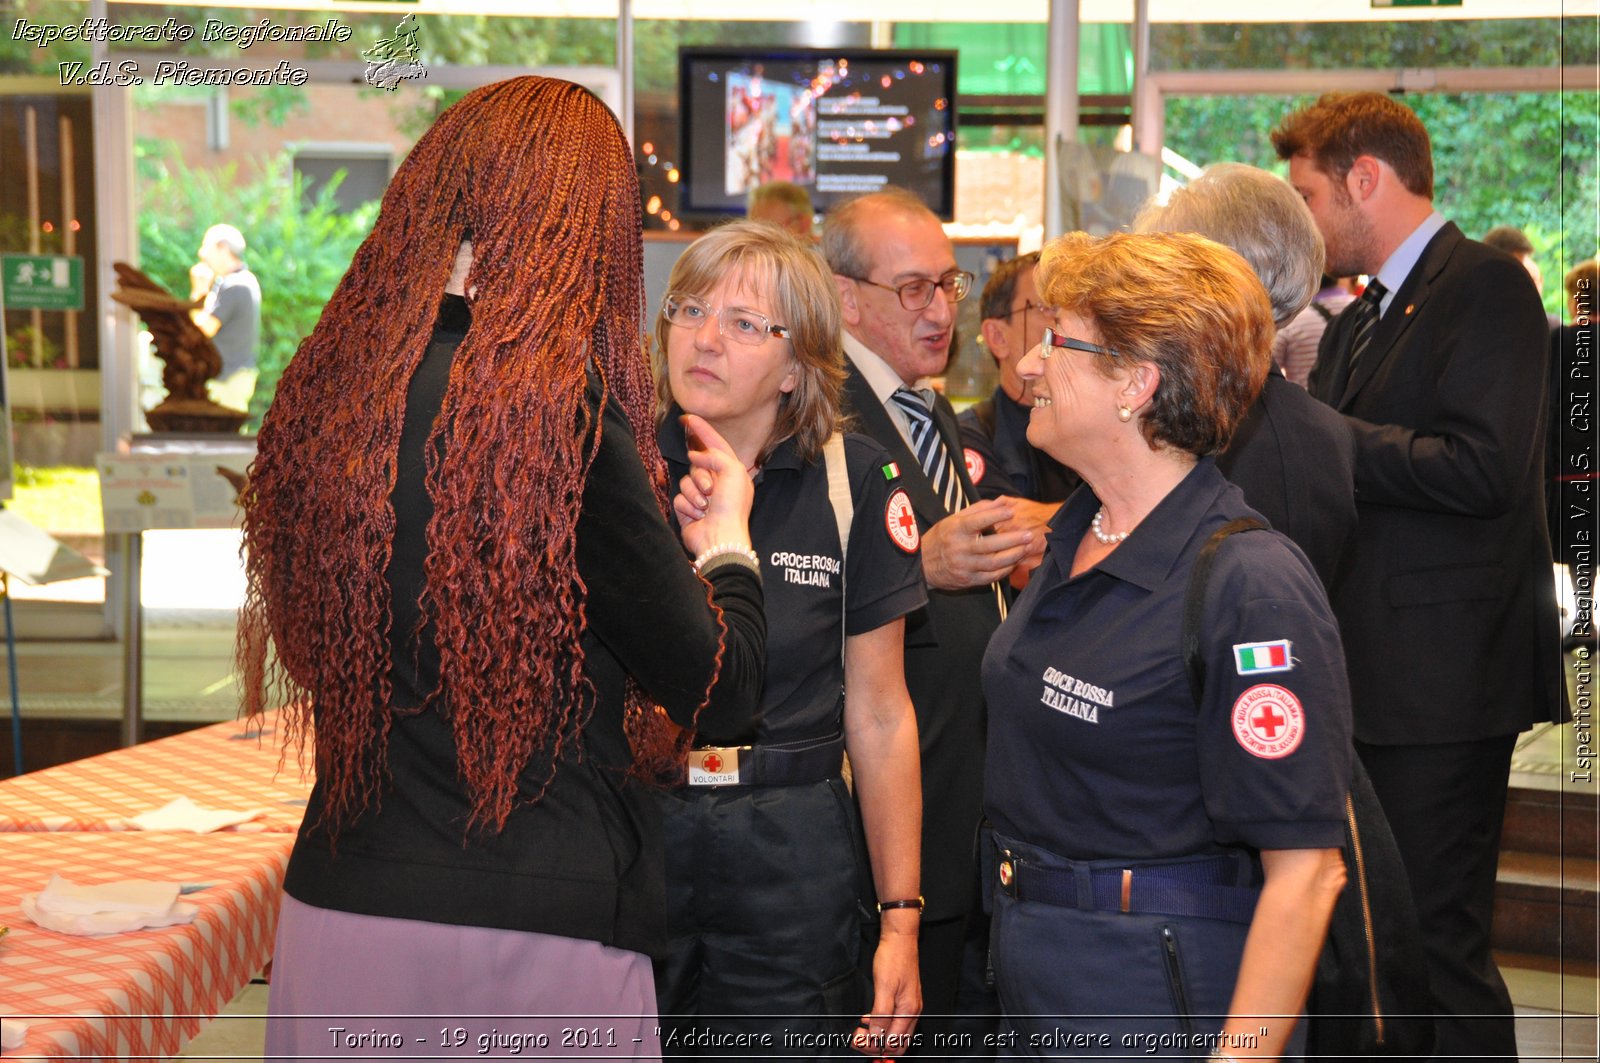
793	530
1096	747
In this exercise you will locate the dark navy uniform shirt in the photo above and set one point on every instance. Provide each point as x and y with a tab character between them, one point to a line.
1096	747
793	530
1001	461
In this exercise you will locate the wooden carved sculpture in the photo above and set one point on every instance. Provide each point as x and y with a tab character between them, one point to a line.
190	358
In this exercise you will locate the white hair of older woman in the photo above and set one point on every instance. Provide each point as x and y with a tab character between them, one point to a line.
1258	215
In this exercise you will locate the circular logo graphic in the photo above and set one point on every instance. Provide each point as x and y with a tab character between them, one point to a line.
1268	721
901	522
975	465
711	762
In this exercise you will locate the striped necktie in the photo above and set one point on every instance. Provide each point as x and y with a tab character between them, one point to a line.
1367	309
929	447
935	459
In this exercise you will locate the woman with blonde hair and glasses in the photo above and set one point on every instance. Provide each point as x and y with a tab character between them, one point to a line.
763	869
1168	752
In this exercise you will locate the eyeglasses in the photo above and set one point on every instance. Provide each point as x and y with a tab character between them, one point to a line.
741	326
918	294
1052	339
1037	308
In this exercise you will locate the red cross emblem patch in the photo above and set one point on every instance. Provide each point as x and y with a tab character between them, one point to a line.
975	465
1268	721
902	522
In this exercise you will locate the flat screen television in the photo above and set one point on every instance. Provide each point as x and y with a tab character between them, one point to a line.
837	122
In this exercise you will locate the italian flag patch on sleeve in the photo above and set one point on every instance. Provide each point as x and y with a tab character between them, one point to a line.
1255	658
891	471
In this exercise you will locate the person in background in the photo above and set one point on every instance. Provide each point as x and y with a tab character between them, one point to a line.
1292	456
1580	287
463	587
998	456
784	204
231	314
1447	606
1514	242
898	288
1167	845
763	876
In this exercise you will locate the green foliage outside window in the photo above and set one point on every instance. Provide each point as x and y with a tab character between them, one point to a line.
1524	159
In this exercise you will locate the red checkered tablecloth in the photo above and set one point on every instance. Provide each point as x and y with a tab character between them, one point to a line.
143	993
222	766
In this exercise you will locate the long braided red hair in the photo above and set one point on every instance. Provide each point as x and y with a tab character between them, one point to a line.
539	174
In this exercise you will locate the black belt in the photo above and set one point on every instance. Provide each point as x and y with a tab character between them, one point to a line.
1202	888
781	764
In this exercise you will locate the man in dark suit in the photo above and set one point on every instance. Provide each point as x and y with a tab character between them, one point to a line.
1292	456
898	284
1448	608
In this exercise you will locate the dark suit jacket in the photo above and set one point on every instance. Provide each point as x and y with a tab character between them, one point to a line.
945	642
1448	606
1294	459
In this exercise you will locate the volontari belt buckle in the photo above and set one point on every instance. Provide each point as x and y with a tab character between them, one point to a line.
714	766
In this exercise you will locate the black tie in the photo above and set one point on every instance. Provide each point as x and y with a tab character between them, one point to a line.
1366	310
930	448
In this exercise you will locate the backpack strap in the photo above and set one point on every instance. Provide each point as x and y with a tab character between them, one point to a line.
844	511
1194	601
1324	312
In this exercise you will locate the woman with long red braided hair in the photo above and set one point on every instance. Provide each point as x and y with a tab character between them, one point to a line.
464	590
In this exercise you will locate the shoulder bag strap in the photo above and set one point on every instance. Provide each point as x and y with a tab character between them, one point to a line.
844	511
1194	601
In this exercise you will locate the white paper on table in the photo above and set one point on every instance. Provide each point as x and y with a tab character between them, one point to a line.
182	814
141	897
95	924
12	1032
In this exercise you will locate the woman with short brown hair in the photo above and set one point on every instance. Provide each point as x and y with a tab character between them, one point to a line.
1167	823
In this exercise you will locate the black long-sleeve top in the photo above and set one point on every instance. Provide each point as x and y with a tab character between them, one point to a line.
585	860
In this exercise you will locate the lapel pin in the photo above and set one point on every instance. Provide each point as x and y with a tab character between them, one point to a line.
1410	307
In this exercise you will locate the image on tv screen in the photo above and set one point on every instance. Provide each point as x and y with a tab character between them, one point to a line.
838	123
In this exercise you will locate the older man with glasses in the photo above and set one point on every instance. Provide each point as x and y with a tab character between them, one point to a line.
898	286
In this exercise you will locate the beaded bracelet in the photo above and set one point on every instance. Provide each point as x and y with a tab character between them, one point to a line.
724	553
888	906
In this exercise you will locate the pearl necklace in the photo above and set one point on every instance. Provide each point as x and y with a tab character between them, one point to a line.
1105	538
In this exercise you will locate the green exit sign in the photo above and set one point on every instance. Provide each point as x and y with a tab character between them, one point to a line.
41	282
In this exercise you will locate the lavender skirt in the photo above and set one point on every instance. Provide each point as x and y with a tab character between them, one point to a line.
348	987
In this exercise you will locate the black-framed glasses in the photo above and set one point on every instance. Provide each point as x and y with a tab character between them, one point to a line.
733	322
918	294
1037	308
1053	339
